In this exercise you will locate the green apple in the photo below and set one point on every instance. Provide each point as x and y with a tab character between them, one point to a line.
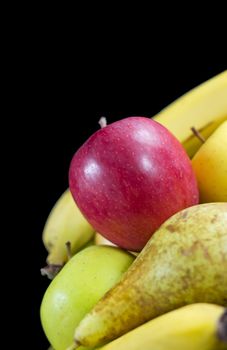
77	288
210	166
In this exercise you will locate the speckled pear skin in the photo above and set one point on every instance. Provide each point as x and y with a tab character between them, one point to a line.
184	262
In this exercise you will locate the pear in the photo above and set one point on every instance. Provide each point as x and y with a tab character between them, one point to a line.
184	262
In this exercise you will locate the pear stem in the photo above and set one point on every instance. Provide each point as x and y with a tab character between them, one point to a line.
197	134
68	250
102	122
222	327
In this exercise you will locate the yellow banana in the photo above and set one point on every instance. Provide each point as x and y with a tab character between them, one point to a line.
80	348
192	327
65	223
99	240
204	107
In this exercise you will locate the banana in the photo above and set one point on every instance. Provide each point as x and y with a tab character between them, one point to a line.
204	107
192	327
65	223
100	240
80	348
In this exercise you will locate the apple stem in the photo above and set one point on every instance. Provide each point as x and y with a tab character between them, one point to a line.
197	134
51	270
222	327
68	250
102	122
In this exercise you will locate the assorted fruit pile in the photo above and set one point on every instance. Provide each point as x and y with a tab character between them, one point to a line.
137	246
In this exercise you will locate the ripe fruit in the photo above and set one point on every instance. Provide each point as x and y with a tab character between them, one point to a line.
210	166
185	262
192	327
204	107
129	177
77	288
65	223
100	240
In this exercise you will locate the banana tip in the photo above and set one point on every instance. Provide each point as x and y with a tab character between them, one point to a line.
222	327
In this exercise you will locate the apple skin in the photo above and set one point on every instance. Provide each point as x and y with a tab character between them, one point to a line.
129	177
75	290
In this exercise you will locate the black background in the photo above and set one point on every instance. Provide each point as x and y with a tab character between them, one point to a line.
64	100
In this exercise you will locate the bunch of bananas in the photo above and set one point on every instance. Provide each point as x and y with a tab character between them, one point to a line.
204	108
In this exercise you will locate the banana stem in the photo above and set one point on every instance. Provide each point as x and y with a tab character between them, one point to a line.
197	134
73	346
222	327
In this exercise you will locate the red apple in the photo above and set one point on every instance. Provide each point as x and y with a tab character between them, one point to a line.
129	177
